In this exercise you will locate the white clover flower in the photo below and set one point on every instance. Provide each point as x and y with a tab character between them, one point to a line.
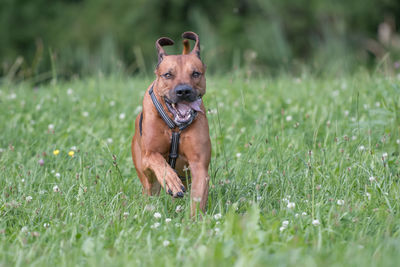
346	113
46	225
304	213
179	208
28	199
109	140
70	91
291	205
157	215
340	202
368	195
85	114
285	223
259	198
238	155
384	155
282	228
50	127
126	214
362	148
354	137
377	104
112	103
217	216
289	118
168	220
56	189
217	230
155	225
24	229
296	215
177	225
122	116
73	148
23	180
316	222
166	243
57	175
371	179
398	141
12	96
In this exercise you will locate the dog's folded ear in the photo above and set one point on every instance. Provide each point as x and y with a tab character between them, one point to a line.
163	41
193	36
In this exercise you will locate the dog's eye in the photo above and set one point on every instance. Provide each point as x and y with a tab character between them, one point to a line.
196	74
167	75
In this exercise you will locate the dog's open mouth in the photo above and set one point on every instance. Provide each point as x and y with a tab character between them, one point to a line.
183	111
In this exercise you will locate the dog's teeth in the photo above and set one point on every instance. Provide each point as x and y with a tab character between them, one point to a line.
173	105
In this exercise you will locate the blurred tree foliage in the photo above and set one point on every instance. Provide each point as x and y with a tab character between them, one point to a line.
81	37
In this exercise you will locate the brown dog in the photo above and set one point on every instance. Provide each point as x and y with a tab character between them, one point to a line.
174	116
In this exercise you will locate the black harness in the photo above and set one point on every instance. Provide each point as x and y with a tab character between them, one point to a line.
173	153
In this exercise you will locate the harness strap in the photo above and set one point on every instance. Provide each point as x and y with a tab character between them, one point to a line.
140	123
173	152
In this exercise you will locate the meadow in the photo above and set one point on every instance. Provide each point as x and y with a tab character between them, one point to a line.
305	171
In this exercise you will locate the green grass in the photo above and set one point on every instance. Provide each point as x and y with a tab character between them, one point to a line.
274	141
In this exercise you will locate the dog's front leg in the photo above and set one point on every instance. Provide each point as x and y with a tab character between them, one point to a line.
200	181
155	165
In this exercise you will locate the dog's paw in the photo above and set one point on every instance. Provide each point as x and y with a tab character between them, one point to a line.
174	186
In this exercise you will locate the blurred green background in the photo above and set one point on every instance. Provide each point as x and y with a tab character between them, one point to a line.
74	38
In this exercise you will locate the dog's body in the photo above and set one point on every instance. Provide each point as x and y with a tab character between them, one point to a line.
179	86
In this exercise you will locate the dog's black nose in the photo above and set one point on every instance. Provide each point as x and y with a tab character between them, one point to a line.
184	92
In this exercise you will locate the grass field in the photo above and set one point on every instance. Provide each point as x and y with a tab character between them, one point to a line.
304	172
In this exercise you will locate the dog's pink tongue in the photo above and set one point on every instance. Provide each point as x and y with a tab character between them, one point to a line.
196	105
184	108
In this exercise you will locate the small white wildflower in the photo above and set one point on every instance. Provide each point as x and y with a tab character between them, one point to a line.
316	222
179	208
23	180
38	107
285	223
289	118
242	130
46	225
291	205
149	207
304	213
377	104
259	198
155	225
28	199
238	155
346	113
24	229
168	220
217	230
368	195
362	148
217	216
85	114
73	148
384	155
372	178
398	141
354	137
109	140
112	103
12	96
57	175
177	225
282	228
122	116
296	215
70	91
126	214
50	127
340	202
56	189
166	243
157	215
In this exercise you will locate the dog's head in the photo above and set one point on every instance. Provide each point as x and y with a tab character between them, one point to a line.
181	81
